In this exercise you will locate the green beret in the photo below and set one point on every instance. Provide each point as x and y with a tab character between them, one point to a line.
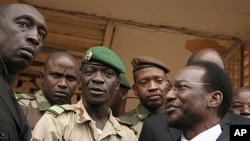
124	82
148	61
103	56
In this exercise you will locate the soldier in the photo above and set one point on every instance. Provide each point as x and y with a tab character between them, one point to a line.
119	99
91	118
59	80
22	33
150	86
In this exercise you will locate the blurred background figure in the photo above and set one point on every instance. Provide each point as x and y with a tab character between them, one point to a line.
119	99
241	102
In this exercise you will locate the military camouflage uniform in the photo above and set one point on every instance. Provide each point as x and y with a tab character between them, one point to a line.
34	106
73	123
134	119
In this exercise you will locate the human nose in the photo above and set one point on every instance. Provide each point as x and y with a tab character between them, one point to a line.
245	110
62	83
171	94
152	86
98	78
33	37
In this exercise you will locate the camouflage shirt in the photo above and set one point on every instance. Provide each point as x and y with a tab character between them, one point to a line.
134	118
33	106
73	123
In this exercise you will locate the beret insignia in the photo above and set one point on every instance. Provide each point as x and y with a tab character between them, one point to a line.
88	55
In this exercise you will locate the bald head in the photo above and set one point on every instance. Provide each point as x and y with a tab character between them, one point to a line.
54	56
207	54
60	77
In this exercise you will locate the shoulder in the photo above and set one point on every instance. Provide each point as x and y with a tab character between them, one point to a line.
128	117
26	100
25	96
158	118
57	110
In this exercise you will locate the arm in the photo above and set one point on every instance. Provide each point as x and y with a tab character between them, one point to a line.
47	129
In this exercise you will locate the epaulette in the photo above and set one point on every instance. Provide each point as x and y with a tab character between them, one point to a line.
25	96
127	122
124	120
56	110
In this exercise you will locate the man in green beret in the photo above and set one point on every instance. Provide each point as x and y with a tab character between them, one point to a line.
119	99
150	86
91	118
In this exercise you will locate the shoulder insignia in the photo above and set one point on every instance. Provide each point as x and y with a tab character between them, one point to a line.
124	120
25	96
56	110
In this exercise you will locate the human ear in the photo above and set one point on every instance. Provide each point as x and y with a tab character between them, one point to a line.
215	99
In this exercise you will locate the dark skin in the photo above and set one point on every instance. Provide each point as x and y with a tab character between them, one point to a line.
22	33
118	102
150	86
241	102
60	78
189	106
98	84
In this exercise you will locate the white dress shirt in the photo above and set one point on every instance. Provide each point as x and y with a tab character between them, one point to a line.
210	134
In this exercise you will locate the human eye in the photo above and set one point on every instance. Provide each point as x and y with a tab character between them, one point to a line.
159	80
71	78
56	75
142	82
23	23
42	33
88	71
109	73
182	86
237	106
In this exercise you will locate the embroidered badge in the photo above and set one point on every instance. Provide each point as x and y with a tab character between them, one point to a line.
88	55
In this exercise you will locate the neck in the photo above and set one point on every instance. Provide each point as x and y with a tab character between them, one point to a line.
159	110
96	111
99	113
193	131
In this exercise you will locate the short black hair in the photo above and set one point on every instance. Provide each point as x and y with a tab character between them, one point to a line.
220	81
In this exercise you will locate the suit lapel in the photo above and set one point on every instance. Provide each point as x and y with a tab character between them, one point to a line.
10	102
225	123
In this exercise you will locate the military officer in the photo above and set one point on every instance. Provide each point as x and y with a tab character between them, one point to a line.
91	118
150	86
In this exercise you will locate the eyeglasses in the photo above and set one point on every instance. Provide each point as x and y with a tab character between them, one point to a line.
185	86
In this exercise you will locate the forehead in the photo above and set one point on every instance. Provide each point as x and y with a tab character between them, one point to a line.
17	10
243	93
63	60
190	74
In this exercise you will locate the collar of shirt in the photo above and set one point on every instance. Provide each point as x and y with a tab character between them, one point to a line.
210	134
42	102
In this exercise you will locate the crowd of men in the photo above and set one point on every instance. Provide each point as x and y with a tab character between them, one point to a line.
198	104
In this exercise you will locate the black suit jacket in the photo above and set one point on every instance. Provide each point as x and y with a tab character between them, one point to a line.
155	128
13	124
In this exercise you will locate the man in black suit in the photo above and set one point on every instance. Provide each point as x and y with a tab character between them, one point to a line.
197	105
22	33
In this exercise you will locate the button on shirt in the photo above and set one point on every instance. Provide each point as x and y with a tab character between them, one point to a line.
210	134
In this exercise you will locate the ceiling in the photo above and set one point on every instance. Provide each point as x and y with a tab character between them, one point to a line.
75	25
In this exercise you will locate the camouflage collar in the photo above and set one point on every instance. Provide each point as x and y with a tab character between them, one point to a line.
142	112
42	102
